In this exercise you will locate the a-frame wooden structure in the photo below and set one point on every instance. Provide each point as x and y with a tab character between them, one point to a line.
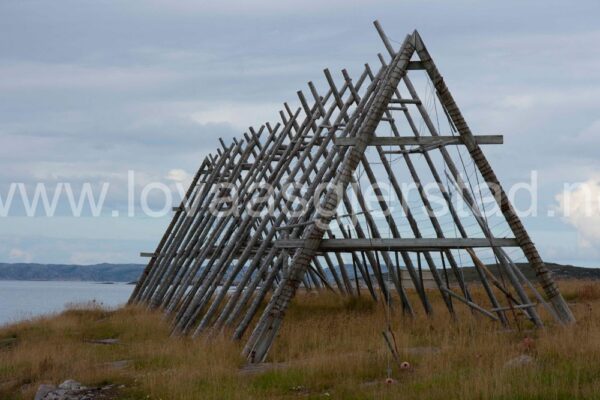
284	207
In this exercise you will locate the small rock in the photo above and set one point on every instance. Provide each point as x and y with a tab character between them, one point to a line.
43	390
519	361
73	390
70	384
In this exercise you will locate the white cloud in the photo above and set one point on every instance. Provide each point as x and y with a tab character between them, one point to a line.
19	255
580	207
177	175
240	115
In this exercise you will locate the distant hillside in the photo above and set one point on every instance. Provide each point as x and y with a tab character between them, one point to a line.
559	271
62	272
131	272
572	272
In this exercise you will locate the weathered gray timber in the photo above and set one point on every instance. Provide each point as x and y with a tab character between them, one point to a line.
345	245
319	199
425	141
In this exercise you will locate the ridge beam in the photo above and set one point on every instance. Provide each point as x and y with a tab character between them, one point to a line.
347	245
419	141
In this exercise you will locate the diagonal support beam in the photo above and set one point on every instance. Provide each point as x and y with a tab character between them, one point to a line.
268	326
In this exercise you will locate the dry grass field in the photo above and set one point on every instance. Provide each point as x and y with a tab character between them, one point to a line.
330	347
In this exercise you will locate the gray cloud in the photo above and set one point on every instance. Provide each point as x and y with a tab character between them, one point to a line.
91	90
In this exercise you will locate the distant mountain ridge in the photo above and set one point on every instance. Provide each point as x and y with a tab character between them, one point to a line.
66	272
130	272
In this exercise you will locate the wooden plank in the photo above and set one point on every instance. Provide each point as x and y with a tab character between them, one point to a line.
398	244
415	65
516	307
405	101
419	141
470	303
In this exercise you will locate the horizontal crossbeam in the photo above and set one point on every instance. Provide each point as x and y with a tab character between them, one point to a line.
419	141
415	65
343	245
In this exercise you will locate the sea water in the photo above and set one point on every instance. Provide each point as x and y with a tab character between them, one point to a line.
26	299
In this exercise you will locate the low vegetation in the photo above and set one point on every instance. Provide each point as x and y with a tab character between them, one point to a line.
330	347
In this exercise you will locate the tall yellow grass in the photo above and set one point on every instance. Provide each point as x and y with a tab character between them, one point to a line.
329	347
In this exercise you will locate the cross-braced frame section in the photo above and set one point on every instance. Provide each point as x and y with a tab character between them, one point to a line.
367	187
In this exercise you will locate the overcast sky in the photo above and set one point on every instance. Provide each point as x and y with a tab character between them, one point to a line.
92	89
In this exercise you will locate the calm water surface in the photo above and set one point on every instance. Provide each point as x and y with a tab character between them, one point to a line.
25	299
